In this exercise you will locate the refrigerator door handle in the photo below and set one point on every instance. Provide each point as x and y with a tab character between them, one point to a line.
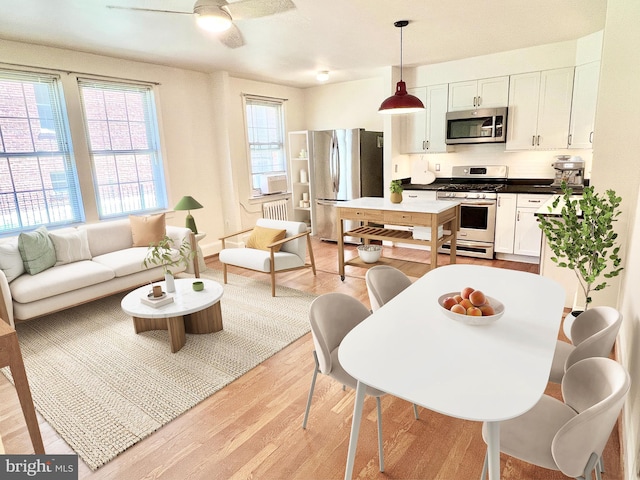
326	202
337	165
333	162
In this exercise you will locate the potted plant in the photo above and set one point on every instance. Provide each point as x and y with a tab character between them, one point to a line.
167	255
396	191
582	238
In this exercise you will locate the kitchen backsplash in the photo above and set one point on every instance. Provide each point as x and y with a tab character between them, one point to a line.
522	164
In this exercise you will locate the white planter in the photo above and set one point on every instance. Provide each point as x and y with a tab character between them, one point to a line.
170	283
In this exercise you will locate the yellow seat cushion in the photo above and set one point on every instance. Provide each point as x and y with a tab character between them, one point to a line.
261	237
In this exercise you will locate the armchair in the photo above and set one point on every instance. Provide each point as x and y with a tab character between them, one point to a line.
287	254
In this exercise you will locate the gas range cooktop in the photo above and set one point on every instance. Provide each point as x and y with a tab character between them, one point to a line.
475	182
472	187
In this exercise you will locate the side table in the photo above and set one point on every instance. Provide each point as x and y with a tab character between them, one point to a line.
10	356
200	258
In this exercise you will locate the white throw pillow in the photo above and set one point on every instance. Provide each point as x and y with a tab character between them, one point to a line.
11	260
70	246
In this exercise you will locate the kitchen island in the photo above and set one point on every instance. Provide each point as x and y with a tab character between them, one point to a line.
374	213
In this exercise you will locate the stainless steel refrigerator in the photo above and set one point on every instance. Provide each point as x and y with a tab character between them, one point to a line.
347	164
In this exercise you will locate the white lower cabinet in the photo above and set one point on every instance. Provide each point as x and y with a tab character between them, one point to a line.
517	230
505	224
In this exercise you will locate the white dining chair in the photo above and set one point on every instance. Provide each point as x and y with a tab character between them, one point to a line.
383	283
593	334
332	317
569	436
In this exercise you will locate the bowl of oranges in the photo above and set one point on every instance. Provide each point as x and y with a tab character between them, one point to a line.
471	306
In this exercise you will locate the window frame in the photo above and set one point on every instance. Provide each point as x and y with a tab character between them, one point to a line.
118	157
250	100
57	200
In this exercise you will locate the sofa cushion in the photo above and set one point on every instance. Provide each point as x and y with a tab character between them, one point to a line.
124	262
108	236
147	229
11	260
71	246
59	279
36	250
261	237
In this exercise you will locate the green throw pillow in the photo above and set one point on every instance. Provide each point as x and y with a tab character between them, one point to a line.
37	250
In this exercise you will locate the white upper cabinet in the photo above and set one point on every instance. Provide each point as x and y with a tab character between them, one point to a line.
539	109
424	132
583	108
484	93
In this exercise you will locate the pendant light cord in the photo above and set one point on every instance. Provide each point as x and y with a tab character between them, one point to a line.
401	54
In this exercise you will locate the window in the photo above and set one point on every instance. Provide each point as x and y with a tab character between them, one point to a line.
38	180
122	134
265	135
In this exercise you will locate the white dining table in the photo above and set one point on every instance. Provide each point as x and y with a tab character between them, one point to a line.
410	349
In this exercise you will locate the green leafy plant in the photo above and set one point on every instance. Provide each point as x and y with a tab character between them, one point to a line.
167	255
396	186
582	236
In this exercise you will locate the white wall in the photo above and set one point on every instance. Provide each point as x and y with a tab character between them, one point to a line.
345	105
185	121
616	166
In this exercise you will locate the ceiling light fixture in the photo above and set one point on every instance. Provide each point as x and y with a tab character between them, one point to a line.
401	101
322	76
211	17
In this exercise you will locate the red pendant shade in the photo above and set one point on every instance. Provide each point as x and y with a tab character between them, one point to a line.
401	101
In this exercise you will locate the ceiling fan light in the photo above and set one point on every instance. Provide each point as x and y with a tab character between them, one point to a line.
401	102
212	19
322	76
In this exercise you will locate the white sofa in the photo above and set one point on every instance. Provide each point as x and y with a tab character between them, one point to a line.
114	266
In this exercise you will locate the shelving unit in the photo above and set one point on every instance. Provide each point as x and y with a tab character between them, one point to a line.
300	168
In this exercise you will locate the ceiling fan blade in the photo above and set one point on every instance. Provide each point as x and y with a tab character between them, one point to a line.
232	37
117	7
257	8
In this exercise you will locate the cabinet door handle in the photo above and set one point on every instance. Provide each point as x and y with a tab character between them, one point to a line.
479	100
428	144
533	141
591	137
569	139
533	201
538	140
518	217
424	145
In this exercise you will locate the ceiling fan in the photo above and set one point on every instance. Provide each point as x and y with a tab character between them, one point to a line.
218	15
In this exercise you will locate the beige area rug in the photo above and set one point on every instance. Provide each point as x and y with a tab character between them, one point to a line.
104	388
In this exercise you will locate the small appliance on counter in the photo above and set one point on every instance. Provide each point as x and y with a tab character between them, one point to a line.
569	169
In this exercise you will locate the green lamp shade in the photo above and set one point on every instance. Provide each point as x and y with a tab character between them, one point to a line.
189	203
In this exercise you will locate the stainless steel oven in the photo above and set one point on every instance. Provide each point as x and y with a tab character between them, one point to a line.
477	188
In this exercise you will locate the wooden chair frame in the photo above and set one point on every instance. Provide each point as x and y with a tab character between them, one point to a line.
272	246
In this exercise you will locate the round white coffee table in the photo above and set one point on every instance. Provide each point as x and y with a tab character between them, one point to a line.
190	311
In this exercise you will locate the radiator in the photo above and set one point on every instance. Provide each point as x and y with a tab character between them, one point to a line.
276	210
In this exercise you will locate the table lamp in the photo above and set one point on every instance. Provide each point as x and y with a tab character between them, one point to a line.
189	203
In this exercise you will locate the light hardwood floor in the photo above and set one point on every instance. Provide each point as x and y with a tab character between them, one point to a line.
252	428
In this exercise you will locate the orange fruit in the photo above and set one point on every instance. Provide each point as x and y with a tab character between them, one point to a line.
477	298
466	292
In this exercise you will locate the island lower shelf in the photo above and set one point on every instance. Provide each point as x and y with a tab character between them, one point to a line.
367	232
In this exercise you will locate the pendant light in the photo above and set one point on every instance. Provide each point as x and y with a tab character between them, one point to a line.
401	101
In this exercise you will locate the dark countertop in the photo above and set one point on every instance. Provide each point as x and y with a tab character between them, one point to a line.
514	185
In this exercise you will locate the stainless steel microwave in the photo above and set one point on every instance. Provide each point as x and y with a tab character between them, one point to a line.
484	125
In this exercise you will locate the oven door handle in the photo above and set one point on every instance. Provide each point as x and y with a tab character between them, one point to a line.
479	203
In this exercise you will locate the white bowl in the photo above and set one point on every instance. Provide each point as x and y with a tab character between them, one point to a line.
470	319
370	253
